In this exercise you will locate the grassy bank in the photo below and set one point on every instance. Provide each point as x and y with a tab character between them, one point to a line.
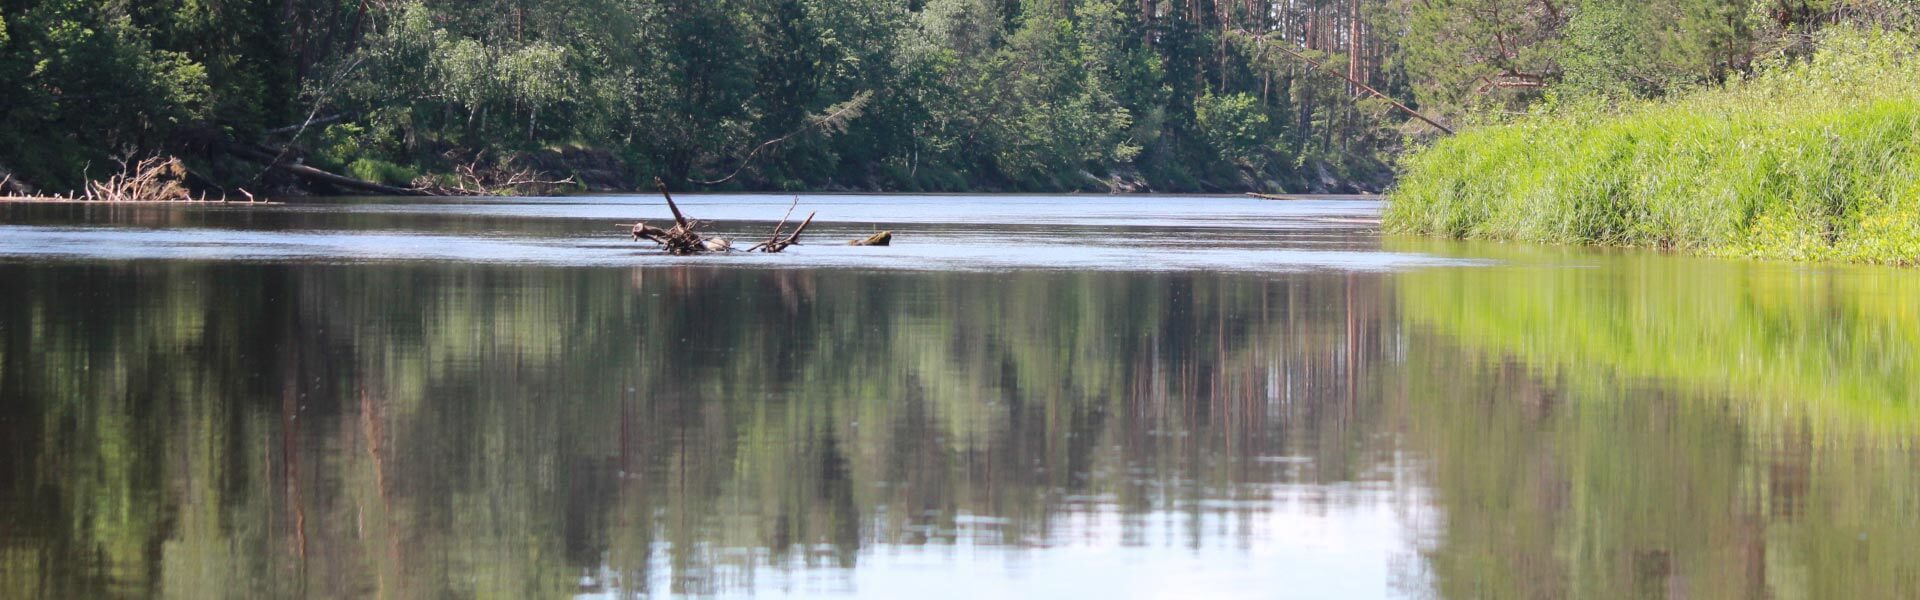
1811	160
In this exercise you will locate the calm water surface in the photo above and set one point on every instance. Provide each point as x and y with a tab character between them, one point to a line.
1048	397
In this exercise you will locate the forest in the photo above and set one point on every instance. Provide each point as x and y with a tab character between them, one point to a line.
884	95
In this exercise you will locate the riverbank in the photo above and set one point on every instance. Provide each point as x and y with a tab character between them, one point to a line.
66	200
574	170
1817	161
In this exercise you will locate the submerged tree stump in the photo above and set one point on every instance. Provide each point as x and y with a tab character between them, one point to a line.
774	242
685	239
884	238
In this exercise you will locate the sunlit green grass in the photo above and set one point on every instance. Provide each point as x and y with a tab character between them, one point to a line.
1811	160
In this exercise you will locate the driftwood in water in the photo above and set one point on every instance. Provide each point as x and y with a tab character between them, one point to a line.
684	238
884	238
681	241
775	243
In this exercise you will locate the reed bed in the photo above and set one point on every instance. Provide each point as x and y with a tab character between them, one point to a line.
1813	159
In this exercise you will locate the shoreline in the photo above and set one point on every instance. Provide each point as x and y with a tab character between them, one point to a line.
65	200
296	199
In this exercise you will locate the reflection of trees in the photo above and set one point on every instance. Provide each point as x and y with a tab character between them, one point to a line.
1665	428
246	431
1560	491
391	431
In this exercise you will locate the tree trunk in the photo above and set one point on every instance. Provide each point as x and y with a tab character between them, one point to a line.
274	161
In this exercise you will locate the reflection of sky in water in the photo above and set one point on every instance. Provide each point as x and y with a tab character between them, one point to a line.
933	233
1325	541
937	254
1182	211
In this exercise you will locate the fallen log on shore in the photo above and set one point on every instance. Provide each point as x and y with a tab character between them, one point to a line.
155	179
79	199
277	161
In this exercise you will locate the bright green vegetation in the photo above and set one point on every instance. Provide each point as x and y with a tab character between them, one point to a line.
1168	95
1831	348
1814	159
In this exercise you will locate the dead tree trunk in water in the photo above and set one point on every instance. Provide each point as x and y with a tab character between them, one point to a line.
884	238
775	243
683	239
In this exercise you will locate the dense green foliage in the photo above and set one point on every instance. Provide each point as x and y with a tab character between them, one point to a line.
939	94
1815	159
1168	95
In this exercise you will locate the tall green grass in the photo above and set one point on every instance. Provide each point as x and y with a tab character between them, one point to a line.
1808	160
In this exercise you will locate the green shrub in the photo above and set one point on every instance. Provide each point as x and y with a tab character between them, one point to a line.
1808	160
380	171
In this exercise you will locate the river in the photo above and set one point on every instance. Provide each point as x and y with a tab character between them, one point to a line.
1066	396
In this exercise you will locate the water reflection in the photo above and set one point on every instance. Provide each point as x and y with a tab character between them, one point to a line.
205	430
1637	425
1566	425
